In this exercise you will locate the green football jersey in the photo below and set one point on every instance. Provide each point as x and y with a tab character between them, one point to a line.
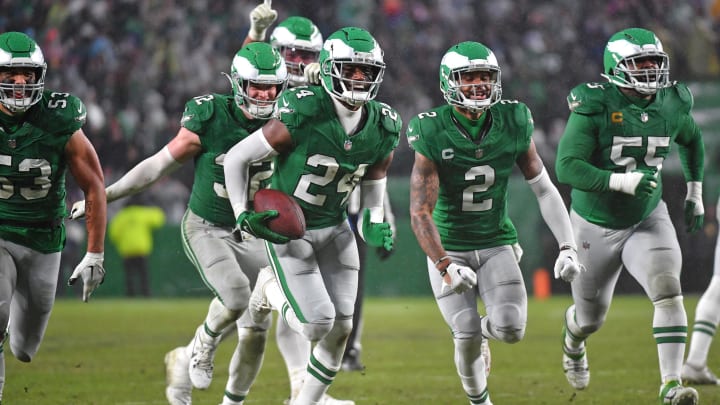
325	164
32	171
471	209
220	124
616	135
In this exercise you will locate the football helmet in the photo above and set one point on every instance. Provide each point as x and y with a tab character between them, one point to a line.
624	54
468	57
345	49
299	42
19	51
257	63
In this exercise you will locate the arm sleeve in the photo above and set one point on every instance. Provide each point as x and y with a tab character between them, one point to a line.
552	208
373	192
691	149
237	162
143	175
574	155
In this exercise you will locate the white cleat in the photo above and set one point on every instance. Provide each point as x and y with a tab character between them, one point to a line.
328	400
698	376
259	306
485	353
577	370
201	366
673	393
179	388
325	400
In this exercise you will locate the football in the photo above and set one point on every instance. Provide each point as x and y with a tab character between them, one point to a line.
290	222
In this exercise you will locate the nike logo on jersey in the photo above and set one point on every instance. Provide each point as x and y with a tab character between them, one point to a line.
186	118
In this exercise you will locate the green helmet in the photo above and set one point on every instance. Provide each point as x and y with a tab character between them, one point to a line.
260	64
19	51
468	57
355	47
299	42
625	50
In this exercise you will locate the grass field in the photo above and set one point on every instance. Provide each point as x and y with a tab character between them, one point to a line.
111	352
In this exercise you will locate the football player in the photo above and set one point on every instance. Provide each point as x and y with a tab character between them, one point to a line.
299	42
696	370
325	140
465	152
611	154
41	137
211	124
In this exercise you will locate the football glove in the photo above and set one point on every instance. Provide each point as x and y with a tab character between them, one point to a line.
260	19
92	272
694	209
376	234
567	266
462	278
517	251
77	210
633	183
255	223
312	73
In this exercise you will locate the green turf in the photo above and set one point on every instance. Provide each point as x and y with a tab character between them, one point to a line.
111	352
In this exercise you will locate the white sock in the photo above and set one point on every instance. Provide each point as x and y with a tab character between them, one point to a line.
706	322
574	339
670	332
246	361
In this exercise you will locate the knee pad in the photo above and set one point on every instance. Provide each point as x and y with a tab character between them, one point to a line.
315	331
466	324
507	322
664	285
252	340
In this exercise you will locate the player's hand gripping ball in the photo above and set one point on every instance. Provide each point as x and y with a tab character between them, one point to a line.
290	220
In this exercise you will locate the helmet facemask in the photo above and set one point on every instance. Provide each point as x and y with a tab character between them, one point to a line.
626	61
299	42
20	55
470	77
345	53
261	66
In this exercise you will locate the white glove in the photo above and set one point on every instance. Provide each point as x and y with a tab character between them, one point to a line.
567	266
77	210
312	73
462	278
92	272
633	183
517	251
260	19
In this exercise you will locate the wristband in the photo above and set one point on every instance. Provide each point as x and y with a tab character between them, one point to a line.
440	260
567	246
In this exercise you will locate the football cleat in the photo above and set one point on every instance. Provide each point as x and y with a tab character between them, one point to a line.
201	366
576	369
673	393
259	306
179	388
485	353
699	376
325	400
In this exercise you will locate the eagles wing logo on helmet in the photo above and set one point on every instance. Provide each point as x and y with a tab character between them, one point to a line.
299	42
18	51
346	49
261	65
624	53
468	57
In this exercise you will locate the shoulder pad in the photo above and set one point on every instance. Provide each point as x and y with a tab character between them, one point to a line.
390	118
685	95
302	100
518	110
588	98
60	113
200	108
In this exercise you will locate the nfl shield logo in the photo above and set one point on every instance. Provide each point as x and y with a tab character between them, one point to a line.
479	153
348	145
12	143
644	117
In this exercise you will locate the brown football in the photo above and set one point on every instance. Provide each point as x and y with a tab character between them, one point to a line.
290	222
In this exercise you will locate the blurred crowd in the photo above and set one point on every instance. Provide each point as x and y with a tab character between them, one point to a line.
136	62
